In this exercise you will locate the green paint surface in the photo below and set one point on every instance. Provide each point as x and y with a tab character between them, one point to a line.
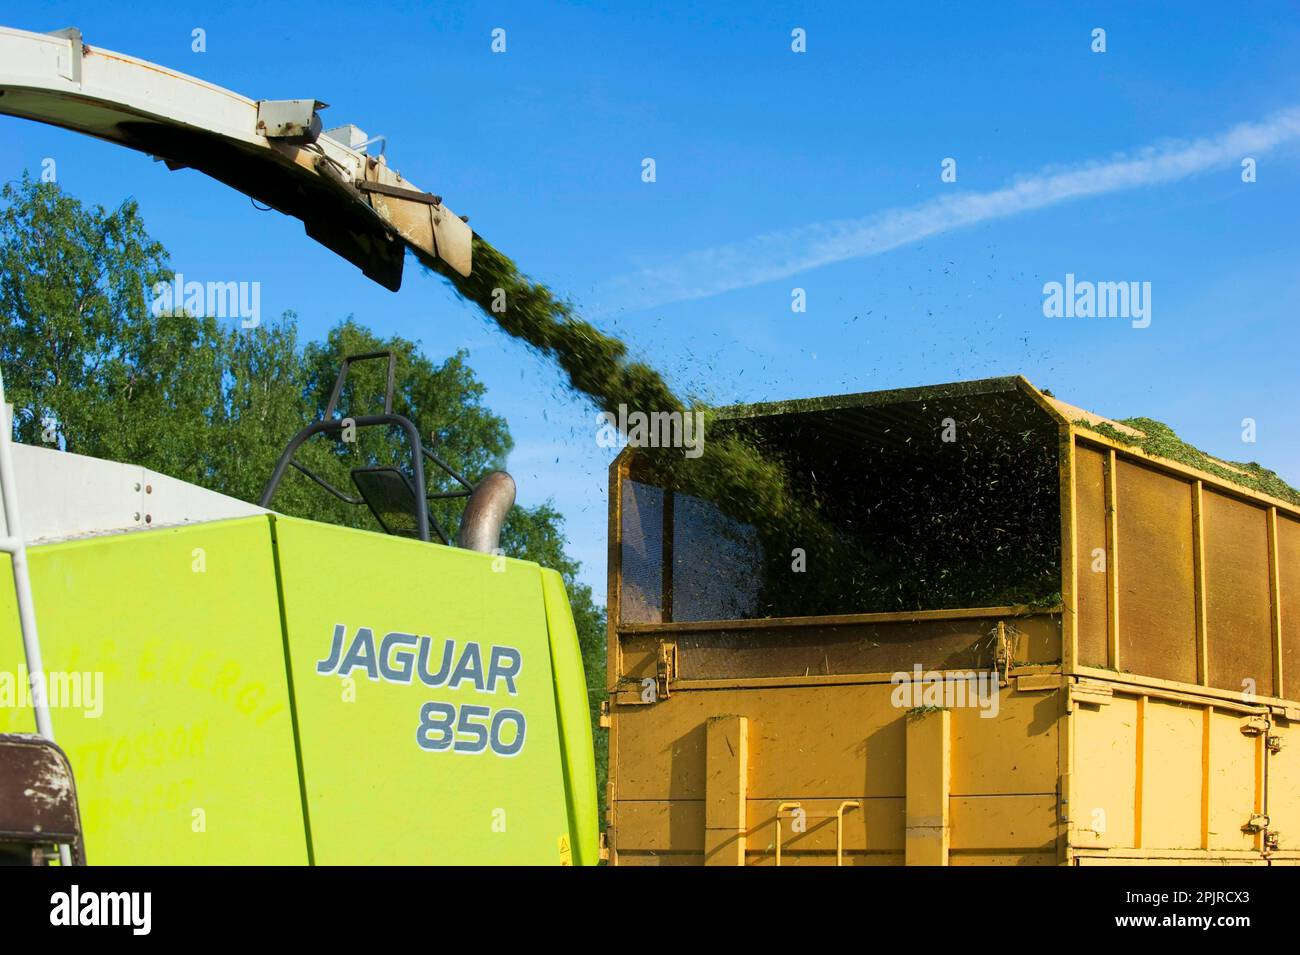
374	795
191	760
195	757
575	722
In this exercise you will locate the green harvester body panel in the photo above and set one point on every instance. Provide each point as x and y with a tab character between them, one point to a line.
281	691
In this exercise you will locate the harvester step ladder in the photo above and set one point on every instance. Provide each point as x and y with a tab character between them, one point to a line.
15	546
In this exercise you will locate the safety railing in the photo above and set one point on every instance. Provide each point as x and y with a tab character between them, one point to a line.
13	544
839	825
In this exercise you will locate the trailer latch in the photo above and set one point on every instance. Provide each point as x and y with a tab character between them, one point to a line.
1258	823
1255	726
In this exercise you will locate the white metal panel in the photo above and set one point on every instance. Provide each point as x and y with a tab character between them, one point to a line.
62	495
44	62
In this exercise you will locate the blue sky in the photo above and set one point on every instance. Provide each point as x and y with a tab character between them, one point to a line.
542	147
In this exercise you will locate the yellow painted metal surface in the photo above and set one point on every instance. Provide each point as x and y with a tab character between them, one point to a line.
1150	718
1283	785
929	788
819	746
726	789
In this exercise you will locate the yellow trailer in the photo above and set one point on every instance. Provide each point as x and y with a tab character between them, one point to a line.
1066	650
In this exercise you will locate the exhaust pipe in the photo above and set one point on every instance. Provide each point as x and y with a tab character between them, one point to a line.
485	513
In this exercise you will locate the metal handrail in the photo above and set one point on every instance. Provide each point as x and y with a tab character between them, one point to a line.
839	826
328	423
15	546
361	421
780	809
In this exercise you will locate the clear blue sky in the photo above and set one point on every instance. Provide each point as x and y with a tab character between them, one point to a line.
542	147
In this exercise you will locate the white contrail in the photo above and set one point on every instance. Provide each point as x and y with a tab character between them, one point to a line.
776	255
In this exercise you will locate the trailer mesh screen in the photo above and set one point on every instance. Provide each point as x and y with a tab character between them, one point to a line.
934	503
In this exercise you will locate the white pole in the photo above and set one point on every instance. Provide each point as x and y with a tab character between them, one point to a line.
17	549
22	582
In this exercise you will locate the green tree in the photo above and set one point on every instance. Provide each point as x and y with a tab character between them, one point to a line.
76	342
86	358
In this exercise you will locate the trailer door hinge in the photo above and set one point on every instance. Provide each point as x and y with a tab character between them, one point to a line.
1272	840
604	715
1274	744
666	669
